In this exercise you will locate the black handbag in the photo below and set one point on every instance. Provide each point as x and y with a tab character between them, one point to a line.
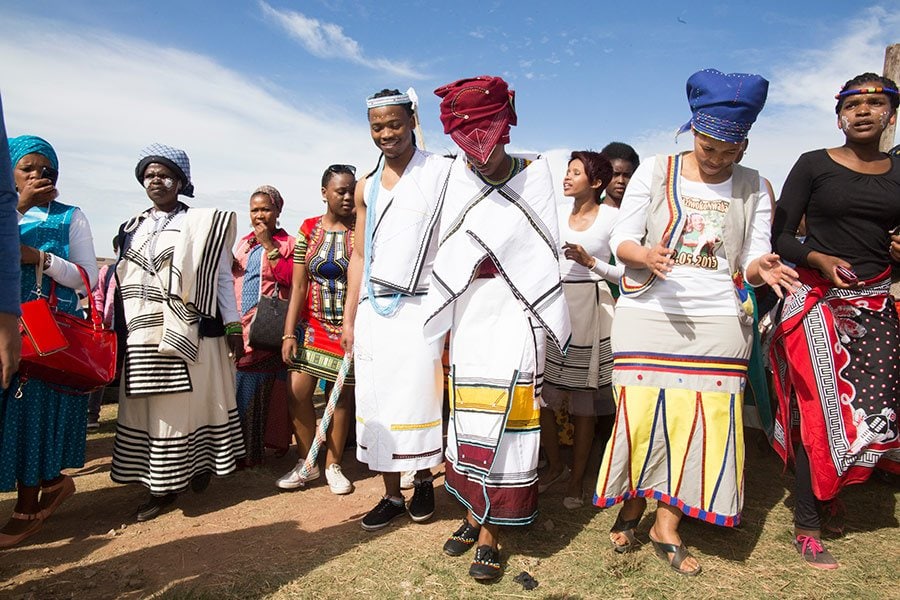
267	324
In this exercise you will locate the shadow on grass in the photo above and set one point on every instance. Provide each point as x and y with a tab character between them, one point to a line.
870	506
184	568
763	490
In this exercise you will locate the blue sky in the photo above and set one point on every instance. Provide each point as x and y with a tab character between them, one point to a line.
273	92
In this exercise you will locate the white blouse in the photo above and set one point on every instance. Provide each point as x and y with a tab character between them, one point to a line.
594	240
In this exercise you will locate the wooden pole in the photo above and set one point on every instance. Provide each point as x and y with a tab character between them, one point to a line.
892	71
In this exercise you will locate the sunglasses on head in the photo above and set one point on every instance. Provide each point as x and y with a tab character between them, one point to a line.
342	169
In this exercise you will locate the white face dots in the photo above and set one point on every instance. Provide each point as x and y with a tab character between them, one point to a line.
168	182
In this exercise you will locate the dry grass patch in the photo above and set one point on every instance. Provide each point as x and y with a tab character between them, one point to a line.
243	539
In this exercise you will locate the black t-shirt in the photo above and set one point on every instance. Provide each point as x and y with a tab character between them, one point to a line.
848	214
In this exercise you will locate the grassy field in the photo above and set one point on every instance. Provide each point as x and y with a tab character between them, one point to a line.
568	553
241	539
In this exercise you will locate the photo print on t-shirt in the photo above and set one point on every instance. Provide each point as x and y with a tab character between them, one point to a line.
701	238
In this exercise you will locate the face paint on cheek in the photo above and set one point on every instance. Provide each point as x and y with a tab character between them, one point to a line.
883	119
845	123
168	182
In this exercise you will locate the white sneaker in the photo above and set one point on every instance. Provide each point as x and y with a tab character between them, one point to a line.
338	483
292	479
407	480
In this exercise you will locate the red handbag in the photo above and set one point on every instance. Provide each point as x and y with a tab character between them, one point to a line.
78	355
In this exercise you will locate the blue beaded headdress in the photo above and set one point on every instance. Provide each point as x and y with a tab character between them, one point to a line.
725	105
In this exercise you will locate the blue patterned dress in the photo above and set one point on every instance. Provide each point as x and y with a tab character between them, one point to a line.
43	432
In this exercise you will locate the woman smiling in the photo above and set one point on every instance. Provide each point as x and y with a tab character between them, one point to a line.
682	334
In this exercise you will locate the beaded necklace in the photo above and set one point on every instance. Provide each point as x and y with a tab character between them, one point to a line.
159	225
517	165
385	310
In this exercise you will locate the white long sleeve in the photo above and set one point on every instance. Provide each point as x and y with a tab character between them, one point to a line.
760	241
594	240
607	271
81	252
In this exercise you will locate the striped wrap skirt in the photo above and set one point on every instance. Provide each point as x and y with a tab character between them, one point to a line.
496	369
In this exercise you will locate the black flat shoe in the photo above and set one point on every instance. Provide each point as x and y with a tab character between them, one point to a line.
486	565
200	482
151	509
462	539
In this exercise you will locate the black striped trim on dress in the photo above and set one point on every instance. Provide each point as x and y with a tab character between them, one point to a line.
184	312
454	226
547	297
151	321
419	455
168	464
149	372
163	257
138	291
209	265
182	344
137	258
531	216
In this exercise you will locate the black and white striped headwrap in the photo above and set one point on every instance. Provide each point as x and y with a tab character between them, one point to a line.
174	158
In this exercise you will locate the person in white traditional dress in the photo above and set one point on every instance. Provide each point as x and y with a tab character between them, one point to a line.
178	421
580	380
496	288
398	373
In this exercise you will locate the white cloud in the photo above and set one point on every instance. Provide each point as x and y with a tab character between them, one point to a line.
328	40
799	114
106	97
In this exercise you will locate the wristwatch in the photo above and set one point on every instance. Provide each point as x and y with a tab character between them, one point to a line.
273	254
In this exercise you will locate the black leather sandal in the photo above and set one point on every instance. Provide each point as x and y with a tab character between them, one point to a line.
679	553
626	528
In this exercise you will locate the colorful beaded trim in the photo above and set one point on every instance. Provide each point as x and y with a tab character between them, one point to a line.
871	90
719	128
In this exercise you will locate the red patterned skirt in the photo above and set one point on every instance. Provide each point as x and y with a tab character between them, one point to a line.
837	376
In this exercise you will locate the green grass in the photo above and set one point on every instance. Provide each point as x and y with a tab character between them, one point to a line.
568	553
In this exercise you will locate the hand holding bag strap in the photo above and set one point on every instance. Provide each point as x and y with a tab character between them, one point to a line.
92	314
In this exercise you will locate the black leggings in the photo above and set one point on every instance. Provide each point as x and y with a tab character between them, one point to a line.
806	505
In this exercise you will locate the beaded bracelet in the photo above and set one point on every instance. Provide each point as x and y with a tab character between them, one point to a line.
288	337
233	328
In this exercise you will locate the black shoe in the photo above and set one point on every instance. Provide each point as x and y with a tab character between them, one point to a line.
383	513
200	482
486	566
462	539
421	507
152	507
